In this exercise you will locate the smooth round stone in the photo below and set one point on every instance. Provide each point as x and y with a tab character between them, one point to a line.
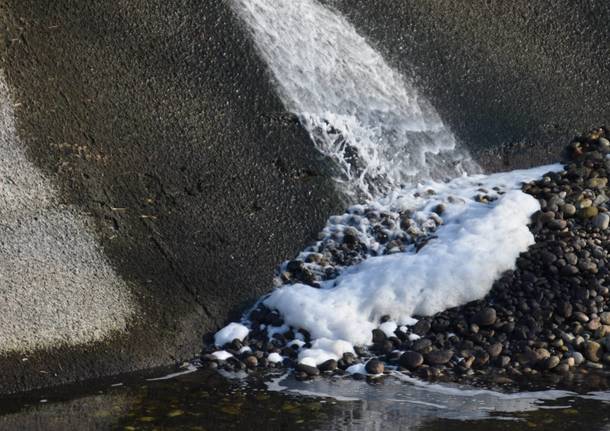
411	360
581	317
601	221
589	212
374	366
593	351
307	369
568	210
251	362
495	350
578	358
597	183
551	362
439	357
330	365
486	317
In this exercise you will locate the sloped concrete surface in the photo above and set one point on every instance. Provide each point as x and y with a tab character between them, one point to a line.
56	285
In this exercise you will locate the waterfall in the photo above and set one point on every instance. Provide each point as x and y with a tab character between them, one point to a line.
359	111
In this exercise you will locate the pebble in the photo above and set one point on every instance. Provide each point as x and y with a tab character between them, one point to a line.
589	212
568	210
374	366
486	317
411	360
601	221
593	351
330	365
579	359
439	357
551	362
307	369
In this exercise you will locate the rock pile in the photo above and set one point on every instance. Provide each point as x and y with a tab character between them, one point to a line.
549	315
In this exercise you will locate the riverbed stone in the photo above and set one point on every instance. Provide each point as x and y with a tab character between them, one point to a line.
486	317
411	360
438	357
374	366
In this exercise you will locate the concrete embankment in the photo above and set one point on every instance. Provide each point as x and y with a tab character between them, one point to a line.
152	179
152	184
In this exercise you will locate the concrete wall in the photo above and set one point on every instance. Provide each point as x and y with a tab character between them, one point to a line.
156	184
514	79
152	181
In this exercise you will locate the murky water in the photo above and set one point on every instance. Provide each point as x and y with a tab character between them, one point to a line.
204	400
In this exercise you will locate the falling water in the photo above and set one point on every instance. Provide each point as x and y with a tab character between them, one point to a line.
359	111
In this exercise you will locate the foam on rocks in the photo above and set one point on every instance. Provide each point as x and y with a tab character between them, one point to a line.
476	242
420	243
233	331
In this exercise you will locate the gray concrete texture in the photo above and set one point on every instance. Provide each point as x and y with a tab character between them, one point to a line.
56	284
155	134
158	122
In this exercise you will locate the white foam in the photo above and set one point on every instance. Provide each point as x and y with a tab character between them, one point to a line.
275	358
389	328
231	332
476	243
357	369
359	111
222	355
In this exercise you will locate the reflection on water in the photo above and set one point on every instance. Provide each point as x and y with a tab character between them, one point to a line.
204	400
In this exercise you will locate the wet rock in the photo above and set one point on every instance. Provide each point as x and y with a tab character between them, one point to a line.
486	317
579	359
411	360
379	337
374	366
593	351
495	350
438	357
569	210
330	365
251	362
551	362
601	221
422	345
597	183
589	212
422	327
307	369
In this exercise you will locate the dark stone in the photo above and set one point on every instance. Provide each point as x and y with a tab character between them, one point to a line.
422	344
307	369
374	366
438	357
330	365
379	337
411	360
422	327
495	350
486	317
251	362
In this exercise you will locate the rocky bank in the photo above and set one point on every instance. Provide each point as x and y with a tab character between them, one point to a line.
548	316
